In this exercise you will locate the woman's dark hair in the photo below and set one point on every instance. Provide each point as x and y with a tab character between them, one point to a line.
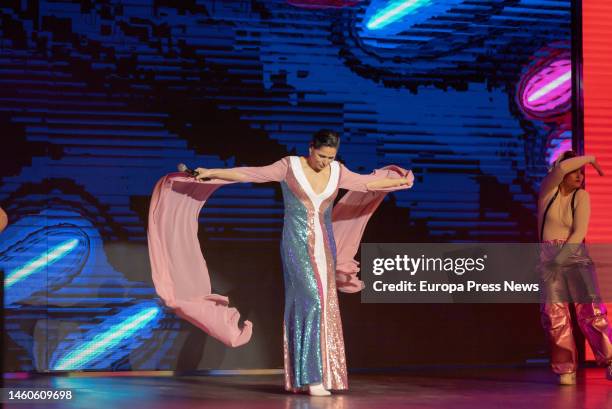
325	137
567	155
564	156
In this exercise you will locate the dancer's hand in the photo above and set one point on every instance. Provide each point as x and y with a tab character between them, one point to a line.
203	173
3	219
405	181
597	168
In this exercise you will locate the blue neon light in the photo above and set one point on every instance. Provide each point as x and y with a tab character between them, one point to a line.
393	12
101	343
47	258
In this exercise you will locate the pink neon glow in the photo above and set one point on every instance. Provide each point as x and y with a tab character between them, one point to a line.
564	145
549	88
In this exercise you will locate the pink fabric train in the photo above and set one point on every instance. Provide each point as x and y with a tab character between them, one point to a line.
179	270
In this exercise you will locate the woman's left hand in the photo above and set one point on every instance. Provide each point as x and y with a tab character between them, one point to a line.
406	181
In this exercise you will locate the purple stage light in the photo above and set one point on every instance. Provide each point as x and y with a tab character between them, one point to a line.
557	143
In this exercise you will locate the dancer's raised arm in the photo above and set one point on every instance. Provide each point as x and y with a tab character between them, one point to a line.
556	175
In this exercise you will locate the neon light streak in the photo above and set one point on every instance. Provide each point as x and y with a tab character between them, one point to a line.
393	12
47	258
564	145
550	87
106	340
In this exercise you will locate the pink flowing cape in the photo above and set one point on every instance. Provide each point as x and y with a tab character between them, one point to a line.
179	269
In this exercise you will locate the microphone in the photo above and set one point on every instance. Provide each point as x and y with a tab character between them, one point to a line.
183	168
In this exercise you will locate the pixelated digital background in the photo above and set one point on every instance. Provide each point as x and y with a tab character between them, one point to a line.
101	98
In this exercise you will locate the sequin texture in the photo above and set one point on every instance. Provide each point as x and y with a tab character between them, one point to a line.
312	332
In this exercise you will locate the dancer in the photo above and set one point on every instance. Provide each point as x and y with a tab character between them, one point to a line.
563	218
318	244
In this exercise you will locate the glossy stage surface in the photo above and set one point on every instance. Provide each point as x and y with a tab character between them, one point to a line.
442	388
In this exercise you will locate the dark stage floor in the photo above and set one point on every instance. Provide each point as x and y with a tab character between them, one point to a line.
448	388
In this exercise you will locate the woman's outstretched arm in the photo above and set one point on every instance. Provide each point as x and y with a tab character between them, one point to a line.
377	181
389	182
231	174
253	174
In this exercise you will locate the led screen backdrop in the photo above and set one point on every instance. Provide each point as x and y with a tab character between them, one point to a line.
101	98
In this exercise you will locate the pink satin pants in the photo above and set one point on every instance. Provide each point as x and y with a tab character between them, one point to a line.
593	322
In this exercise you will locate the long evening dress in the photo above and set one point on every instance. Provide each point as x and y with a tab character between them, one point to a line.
318	244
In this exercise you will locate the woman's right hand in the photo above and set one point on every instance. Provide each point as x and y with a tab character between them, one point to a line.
203	173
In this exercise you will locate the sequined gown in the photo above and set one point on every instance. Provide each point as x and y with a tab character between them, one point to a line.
314	267
312	331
